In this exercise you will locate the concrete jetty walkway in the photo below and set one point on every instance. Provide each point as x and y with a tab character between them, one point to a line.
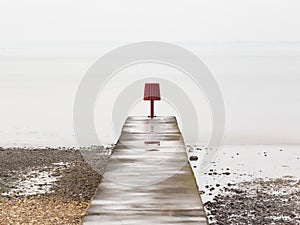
148	179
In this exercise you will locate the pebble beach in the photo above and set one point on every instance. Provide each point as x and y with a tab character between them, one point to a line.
244	185
46	186
255	184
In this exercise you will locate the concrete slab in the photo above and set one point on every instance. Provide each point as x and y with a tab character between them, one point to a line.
148	179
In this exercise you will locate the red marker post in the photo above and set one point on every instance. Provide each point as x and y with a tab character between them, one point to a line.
152	93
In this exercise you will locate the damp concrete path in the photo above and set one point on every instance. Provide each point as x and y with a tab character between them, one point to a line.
148	179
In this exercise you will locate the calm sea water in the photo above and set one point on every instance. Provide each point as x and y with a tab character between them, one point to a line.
259	83
238	163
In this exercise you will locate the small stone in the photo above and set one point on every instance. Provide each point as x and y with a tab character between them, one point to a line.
193	158
226	173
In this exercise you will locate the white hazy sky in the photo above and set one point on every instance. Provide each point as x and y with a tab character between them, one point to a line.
136	20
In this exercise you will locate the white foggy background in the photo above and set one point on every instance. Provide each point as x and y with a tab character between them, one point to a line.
251	47
152	72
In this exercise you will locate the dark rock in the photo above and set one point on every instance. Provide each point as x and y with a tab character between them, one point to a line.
193	158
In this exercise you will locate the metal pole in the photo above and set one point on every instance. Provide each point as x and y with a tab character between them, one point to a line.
152	109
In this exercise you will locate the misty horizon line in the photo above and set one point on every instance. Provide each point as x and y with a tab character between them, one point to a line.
170	41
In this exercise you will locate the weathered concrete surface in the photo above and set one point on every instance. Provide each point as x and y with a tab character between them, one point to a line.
148	179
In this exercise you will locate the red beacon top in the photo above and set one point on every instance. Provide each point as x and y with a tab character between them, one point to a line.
152	93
